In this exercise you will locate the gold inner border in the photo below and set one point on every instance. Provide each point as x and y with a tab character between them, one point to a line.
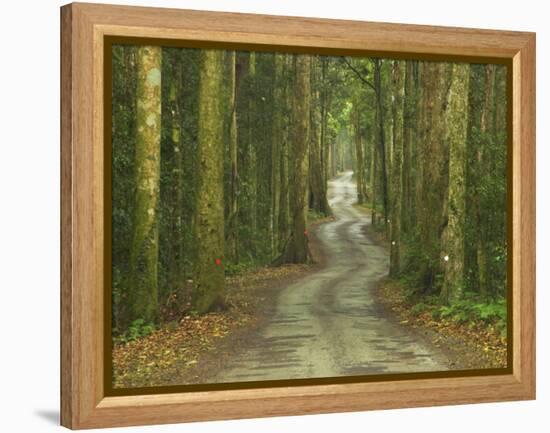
110	40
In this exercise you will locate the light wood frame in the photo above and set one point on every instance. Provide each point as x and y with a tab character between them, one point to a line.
84	26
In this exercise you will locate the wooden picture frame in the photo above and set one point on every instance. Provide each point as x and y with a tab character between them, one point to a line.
83	31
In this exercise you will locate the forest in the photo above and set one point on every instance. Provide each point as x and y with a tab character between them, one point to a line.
220	159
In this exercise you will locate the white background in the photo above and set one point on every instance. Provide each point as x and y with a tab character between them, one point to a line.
29	216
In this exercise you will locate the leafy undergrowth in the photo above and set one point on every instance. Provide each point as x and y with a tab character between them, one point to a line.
472	333
164	356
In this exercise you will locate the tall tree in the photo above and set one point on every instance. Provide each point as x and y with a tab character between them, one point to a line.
421	128
381	133
297	250
325	101
317	183
176	200
408	125
398	71
434	165
453	236
209	287
284	201
486	132
359	157
252	148
278	139
143	285
232	225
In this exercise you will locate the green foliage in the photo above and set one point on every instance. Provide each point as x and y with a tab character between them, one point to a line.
137	329
472	309
233	269
418	308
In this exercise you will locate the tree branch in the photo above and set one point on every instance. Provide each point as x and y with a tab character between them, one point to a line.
363	79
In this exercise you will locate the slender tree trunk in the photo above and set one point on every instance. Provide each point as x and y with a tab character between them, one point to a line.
482	164
333	158
397	167
420	143
317	192
408	117
453	237
233	223
284	213
177	268
277	139
209	286
297	250
144	250
325	146
359	169
252	156
381	135
374	170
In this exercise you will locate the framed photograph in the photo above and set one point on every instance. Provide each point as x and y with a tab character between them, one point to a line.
268	216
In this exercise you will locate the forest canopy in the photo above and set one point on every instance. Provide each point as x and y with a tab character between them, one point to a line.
220	159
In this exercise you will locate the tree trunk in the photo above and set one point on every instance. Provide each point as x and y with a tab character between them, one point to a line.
453	237
296	250
374	170
408	118
252	179
381	134
233	217
177	240
317	191
144	249
434	162
277	139
209	287
284	212
326	96
397	167
482	166
359	164
420	143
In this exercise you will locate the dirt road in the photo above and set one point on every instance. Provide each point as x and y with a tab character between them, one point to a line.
328	324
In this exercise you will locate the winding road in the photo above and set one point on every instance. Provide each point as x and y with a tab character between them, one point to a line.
328	324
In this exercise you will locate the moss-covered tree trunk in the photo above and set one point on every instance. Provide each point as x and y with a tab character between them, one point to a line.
233	217
144	249
434	166
296	250
209	289
398	71
453	236
177	263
